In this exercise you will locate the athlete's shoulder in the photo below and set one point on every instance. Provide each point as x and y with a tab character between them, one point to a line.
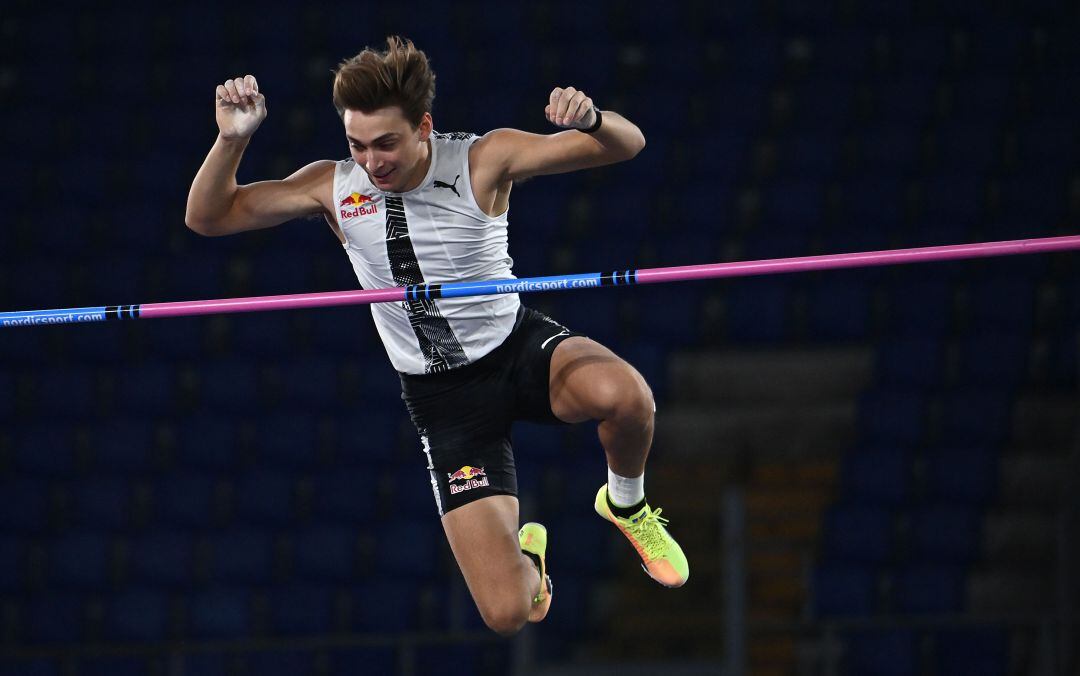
454	136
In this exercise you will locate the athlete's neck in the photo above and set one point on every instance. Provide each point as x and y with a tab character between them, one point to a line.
421	169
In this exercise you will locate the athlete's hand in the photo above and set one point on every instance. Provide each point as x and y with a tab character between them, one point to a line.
570	109
240	107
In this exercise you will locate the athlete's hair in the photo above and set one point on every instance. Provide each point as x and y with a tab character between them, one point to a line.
400	76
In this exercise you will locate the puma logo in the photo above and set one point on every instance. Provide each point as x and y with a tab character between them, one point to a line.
449	186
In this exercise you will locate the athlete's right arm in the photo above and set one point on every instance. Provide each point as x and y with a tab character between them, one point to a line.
218	206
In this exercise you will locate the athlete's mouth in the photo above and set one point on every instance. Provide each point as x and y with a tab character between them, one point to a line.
383	176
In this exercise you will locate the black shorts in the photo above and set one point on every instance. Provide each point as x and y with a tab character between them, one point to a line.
464	415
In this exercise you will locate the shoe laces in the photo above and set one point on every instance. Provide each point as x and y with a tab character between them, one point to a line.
649	532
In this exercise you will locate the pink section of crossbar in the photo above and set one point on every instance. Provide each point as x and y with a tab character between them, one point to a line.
859	260
290	302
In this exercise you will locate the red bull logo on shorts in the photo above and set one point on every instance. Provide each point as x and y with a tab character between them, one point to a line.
467	478
358	205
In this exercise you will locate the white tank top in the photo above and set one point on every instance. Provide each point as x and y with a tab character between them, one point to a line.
435	233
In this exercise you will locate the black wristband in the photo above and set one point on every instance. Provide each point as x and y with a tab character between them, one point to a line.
595	125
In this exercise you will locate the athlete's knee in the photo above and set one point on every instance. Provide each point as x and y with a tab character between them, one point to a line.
505	619
627	399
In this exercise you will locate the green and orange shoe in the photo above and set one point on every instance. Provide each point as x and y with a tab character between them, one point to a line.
661	556
533	539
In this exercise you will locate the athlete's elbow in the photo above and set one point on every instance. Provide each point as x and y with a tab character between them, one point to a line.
201	226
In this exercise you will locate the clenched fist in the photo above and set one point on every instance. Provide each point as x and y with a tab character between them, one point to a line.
570	108
240	107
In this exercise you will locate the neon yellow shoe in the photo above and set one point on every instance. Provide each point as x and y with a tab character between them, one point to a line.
661	556
533	539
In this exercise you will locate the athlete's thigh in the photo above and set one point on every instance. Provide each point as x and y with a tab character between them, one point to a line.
587	379
483	537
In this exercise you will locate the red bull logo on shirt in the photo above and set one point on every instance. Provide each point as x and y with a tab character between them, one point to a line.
467	478
358	205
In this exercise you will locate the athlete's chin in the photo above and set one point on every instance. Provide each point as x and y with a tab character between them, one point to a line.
386	181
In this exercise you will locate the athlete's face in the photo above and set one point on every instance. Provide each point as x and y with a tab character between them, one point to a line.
390	150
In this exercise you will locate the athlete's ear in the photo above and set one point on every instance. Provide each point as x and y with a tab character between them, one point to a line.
425	126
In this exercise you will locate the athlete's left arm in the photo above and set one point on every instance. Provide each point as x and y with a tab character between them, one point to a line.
512	155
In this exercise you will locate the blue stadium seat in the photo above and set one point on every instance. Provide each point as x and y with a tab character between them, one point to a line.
207	442
26	505
584	546
68	394
264	334
882	652
993	359
810	155
136	614
409	547
149	390
961	475
54	618
1038	200
535	441
39	666
343	495
945	534
100	503
409	488
202	664
976	416
79	561
975	650
871	198
311	382
49	289
757	310
241	555
287	441
325	553
281	662
178	338
858	534
124	446
923	588
1047	142
102	343
220	613
844	590
840	310
911	361
892	416
794	205
162	559
1003	303
12	555
877	475
230	387
197	278
888	148
954	196
265	497
670	319
906	100
301	610
185	499
920	306
374	659
983	99
385	606
374	441
969	144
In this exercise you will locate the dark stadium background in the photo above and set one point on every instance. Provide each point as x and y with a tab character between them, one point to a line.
872	471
